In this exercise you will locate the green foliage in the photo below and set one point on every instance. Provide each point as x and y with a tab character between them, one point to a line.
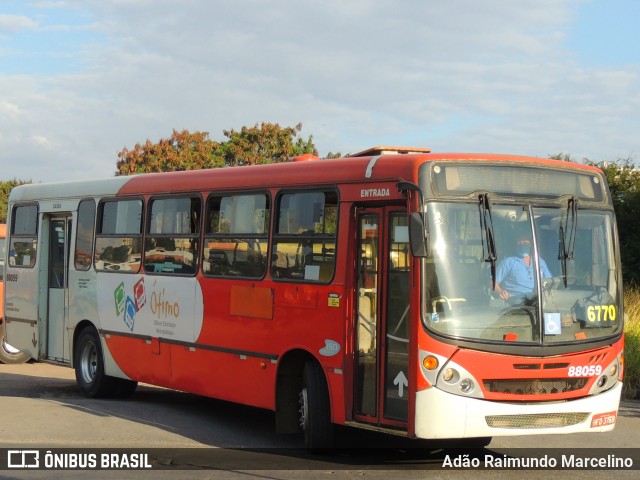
267	143
632	342
182	151
5	190
564	157
624	184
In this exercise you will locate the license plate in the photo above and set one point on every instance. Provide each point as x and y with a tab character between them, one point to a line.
604	419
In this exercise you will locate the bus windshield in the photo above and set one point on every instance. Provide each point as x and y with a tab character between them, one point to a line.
521	274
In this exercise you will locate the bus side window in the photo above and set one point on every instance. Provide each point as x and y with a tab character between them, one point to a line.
84	234
24	236
237	235
119	236
305	237
172	244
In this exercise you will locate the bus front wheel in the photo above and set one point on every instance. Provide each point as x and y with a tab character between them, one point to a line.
315	414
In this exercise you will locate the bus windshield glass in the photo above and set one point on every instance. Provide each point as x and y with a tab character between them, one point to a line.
521	274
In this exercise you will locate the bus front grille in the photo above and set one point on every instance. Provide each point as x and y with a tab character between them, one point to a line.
535	386
538	420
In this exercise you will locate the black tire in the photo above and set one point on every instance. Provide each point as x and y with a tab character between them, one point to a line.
89	366
315	413
124	388
8	354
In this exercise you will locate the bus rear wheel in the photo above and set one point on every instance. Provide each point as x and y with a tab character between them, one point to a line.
89	367
314	409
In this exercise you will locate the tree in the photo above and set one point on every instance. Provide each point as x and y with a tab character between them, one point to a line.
5	190
267	143
624	183
182	151
563	157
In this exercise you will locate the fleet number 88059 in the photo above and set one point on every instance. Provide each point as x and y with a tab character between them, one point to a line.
585	371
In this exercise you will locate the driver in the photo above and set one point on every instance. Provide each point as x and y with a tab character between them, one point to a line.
516	274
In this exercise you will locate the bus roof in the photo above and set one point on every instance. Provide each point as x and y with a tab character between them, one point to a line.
353	169
369	152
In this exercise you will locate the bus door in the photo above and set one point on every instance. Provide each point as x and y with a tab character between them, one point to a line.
59	233
382	312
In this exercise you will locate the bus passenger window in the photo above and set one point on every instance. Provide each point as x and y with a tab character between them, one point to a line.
24	236
237	236
305	238
84	234
172	243
119	236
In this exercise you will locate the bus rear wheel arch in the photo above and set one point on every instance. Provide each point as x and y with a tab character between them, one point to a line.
9	354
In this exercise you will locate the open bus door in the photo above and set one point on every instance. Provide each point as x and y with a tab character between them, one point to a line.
56	269
383	317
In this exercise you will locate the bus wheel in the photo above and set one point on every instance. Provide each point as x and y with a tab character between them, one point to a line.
124	388
314	409
8	354
89	366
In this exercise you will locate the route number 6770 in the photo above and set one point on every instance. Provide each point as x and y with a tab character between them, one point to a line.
601	313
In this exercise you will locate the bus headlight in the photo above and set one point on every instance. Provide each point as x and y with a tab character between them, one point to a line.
457	380
449	374
466	386
607	379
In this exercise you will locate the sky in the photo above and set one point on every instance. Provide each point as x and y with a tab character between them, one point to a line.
82	79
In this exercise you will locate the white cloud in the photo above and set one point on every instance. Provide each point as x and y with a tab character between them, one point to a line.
9	108
457	75
14	23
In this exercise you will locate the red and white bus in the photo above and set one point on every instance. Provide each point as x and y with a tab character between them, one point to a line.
362	291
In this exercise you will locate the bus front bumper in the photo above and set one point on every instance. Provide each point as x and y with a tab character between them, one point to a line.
443	415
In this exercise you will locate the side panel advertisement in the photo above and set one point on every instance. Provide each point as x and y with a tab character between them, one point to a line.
160	307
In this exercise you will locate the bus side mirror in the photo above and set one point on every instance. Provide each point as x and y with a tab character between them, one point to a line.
417	236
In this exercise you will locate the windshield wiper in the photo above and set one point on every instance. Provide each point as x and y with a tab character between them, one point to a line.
568	238
486	224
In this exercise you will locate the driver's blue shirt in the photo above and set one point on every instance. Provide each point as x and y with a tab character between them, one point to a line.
516	277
